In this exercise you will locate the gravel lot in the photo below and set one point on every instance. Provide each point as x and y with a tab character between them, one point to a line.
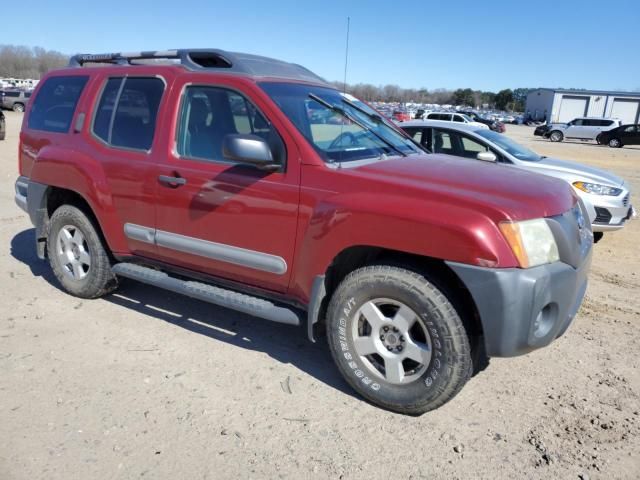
145	383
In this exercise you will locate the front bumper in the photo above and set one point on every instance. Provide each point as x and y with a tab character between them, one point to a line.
524	309
608	213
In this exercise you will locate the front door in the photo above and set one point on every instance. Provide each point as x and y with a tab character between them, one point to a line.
220	217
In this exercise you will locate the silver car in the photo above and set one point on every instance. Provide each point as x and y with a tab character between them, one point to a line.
605	195
583	128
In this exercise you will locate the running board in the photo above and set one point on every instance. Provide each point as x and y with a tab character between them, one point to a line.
240	302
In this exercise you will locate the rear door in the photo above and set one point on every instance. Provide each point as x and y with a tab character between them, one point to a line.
220	217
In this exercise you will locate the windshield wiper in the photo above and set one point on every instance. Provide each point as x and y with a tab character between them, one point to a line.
344	113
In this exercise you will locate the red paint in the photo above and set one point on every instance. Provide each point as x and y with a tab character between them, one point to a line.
307	214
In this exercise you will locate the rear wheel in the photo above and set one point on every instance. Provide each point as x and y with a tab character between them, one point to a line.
398	340
18	107
615	143
556	136
77	255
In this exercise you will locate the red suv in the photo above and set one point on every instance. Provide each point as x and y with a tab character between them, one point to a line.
251	183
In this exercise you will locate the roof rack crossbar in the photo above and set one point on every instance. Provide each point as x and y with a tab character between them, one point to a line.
205	59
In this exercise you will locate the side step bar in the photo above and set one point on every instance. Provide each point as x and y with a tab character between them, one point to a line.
209	293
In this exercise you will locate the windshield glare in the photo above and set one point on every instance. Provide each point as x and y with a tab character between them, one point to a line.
511	147
349	130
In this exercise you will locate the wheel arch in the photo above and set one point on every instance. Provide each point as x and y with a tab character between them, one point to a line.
435	270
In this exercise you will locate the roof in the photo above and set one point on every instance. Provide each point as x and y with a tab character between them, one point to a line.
465	127
194	59
589	92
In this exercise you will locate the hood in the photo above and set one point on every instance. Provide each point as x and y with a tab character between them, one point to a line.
496	190
584	172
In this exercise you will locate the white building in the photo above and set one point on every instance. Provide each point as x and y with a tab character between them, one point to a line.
559	105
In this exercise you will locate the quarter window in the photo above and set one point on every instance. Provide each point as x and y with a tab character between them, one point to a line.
127	112
208	114
53	108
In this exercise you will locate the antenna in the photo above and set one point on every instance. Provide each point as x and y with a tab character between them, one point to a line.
346	58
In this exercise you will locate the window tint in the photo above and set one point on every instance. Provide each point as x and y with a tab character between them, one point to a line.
577	122
127	111
416	134
12	94
27	94
208	114
590	123
53	107
630	129
606	123
458	118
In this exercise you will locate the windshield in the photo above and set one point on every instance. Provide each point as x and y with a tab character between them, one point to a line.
511	147
339	126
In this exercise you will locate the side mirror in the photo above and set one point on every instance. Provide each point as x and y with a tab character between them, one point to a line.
487	156
249	149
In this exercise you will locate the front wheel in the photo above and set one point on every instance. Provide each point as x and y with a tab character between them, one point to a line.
556	136
77	256
615	143
18	107
398	340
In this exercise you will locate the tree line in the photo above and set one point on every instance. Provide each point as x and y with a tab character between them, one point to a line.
17	61
506	99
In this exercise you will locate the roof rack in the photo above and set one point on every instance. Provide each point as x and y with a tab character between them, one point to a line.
206	59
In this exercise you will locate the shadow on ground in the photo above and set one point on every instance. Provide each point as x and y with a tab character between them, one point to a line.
284	343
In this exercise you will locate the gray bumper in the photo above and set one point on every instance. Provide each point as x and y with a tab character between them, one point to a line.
524	309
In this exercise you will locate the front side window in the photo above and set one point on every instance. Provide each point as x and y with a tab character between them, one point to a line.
127	112
53	108
458	118
630	129
577	123
339	126
208	114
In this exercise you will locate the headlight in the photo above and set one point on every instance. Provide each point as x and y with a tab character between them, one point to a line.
531	242
597	189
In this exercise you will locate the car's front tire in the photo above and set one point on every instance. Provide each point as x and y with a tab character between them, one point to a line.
77	256
556	136
397	339
615	143
18	107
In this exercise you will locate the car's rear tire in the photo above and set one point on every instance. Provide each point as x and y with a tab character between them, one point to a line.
398	340
615	143
556	136
18	107
77	256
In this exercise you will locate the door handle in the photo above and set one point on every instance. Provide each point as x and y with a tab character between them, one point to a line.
173	182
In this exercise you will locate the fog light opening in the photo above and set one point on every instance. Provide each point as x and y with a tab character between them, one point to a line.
545	320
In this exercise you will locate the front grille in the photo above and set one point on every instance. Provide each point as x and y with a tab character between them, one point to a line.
602	215
625	200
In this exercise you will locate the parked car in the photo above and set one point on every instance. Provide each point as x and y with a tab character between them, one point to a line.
3	126
621	136
401	116
541	130
15	100
413	264
606	196
453	117
583	128
494	125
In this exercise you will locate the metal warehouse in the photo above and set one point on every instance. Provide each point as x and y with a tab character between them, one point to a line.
559	105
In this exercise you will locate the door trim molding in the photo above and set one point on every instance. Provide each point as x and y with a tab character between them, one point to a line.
243	257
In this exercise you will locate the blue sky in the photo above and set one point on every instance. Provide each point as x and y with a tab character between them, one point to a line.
487	45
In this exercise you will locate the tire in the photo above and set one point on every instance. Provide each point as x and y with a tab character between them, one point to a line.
386	318
599	139
615	143
597	236
18	107
77	256
556	136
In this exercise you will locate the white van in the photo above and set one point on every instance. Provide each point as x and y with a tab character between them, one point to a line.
454	117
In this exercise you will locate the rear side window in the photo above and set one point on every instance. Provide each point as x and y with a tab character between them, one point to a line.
127	112
52	109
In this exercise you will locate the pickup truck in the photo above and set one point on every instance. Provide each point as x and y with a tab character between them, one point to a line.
208	173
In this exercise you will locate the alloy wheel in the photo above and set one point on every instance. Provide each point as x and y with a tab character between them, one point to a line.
73	252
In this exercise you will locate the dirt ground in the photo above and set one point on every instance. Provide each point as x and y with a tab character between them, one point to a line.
145	383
